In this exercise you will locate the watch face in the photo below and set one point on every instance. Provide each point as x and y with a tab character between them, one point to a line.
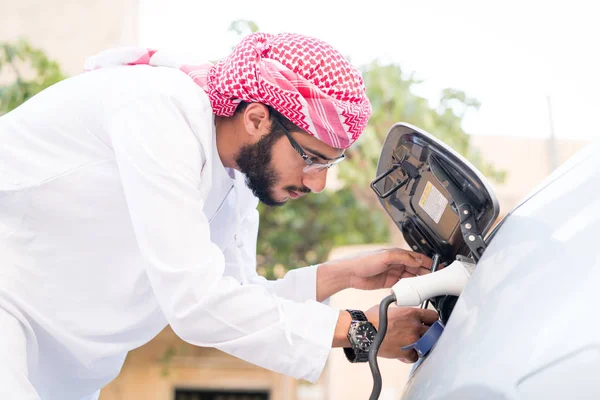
364	336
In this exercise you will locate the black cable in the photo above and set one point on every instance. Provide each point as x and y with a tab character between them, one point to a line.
383	308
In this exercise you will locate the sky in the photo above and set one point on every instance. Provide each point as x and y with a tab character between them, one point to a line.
515	57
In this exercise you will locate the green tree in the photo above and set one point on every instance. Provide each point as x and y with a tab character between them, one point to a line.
304	232
31	70
392	96
242	27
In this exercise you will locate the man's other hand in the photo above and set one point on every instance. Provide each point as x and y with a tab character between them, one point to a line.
406	325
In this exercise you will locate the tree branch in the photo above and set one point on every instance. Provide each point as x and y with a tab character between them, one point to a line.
10	58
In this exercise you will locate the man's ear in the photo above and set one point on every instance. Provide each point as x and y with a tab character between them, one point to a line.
256	120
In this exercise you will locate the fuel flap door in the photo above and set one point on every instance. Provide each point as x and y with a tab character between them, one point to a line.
440	202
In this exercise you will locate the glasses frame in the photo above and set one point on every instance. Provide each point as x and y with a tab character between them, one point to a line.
311	166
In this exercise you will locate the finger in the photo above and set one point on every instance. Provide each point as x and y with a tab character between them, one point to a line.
424	271
410	357
428	316
402	257
423	329
425	261
407	274
410	273
418	270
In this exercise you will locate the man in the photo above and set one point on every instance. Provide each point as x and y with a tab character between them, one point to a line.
128	202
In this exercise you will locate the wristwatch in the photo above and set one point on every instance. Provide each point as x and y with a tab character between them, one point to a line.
360	335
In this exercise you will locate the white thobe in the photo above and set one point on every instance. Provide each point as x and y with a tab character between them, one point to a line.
117	218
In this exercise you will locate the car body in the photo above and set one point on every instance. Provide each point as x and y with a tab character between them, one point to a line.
525	325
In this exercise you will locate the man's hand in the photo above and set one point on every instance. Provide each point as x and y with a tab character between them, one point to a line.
373	270
406	325
382	269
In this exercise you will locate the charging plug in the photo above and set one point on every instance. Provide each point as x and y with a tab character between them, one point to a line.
448	281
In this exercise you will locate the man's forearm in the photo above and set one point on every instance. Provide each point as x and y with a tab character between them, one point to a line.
332	277
340	336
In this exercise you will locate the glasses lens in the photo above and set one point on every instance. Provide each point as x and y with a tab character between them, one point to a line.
315	167
318	167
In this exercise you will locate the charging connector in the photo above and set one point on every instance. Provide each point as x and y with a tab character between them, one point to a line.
448	281
413	291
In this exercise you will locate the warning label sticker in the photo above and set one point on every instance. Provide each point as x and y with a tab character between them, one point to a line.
433	202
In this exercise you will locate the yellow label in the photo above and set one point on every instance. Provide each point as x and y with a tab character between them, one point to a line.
433	202
425	194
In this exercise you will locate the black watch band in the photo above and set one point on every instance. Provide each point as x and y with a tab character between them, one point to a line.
356	356
353	354
357	315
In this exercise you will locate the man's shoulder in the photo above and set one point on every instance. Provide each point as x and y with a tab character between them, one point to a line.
171	82
128	83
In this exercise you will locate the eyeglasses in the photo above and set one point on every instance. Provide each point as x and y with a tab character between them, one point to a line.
312	166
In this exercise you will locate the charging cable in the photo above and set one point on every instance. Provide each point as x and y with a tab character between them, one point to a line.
412	292
374	349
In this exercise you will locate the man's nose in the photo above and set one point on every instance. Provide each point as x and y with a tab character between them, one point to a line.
316	181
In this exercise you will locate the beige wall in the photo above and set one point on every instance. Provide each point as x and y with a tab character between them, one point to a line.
148	374
70	31
527	161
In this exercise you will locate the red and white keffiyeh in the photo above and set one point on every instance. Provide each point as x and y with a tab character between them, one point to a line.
303	78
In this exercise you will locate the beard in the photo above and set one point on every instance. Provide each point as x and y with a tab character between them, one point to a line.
254	161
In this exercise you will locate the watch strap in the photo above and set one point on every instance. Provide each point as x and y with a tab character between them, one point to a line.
356	355
358	315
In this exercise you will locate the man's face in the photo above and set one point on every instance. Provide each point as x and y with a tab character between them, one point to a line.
255	162
274	170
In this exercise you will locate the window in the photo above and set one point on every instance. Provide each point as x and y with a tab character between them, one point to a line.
191	394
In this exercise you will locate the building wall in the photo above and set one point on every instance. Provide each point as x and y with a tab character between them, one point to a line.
526	161
157	369
69	31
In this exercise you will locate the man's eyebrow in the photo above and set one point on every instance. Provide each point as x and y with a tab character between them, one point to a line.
318	154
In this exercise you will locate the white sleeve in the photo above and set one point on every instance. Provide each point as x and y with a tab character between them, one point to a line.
160	154
298	284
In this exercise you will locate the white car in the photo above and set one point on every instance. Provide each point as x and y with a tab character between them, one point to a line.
525	325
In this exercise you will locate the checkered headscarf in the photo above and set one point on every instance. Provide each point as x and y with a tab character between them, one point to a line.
303	78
